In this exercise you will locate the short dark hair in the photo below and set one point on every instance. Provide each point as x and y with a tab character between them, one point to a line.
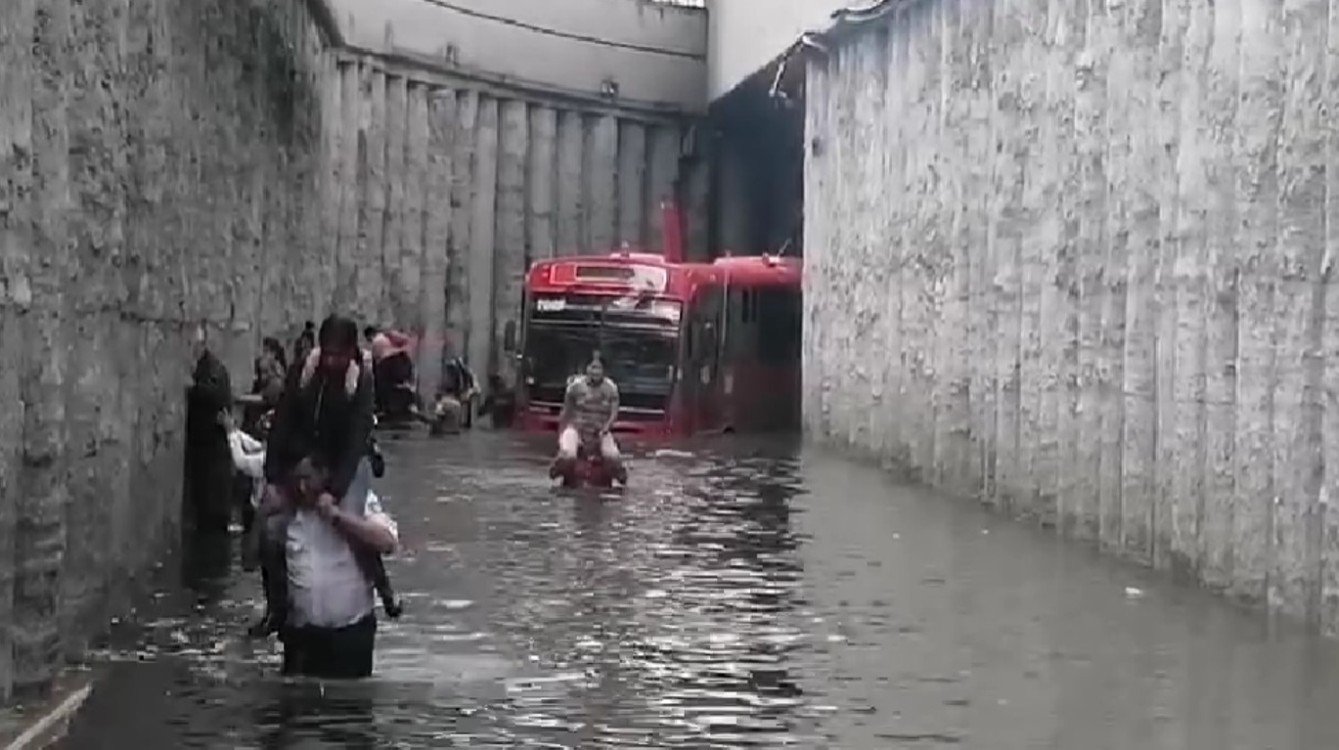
370	331
338	332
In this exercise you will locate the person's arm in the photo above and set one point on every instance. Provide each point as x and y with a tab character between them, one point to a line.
247	454
569	406
374	529
613	408
356	441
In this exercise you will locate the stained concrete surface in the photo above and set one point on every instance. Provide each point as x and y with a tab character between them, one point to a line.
740	593
1074	260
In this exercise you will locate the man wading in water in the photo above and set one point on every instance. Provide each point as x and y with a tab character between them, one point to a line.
324	530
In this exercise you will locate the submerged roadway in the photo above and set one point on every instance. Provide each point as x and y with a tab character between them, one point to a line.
742	593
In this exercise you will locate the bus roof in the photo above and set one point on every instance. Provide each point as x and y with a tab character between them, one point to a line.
674	278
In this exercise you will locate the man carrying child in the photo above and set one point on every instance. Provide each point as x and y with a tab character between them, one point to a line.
324	531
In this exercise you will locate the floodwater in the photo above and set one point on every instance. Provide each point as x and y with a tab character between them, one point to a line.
742	593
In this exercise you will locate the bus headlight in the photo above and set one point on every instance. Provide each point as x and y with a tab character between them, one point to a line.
665	309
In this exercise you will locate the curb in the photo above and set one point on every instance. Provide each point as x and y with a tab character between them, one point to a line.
52	724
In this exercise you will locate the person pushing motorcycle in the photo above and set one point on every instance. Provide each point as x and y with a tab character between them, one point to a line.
590	409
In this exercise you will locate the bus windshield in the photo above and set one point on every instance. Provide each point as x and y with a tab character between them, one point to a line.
637	361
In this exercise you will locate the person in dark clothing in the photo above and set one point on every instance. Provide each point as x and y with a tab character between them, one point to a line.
324	416
209	470
305	342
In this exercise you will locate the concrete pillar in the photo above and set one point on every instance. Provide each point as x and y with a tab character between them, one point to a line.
349	195
441	120
509	263
662	174
374	151
389	258
460	241
541	183
601	188
408	307
571	205
631	183
326	254
479	335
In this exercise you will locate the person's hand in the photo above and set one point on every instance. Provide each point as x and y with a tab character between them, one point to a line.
272	498
326	505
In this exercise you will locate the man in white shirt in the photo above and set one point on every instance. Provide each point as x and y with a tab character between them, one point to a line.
331	627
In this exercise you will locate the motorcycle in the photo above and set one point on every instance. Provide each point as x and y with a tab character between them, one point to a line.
589	470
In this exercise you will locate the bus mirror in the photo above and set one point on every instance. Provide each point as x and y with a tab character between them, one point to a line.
509	337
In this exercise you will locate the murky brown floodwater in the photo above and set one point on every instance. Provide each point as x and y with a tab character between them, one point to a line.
747	595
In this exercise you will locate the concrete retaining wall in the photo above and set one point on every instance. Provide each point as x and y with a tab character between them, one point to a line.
445	189
159	165
1077	260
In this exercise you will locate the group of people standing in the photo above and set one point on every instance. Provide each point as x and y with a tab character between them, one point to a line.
319	529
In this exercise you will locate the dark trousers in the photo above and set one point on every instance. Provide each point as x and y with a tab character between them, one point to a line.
330	653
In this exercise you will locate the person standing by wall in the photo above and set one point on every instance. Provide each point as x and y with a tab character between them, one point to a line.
209	469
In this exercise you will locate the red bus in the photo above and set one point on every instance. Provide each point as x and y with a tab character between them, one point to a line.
693	347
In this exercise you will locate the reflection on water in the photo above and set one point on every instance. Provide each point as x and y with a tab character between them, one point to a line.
741	594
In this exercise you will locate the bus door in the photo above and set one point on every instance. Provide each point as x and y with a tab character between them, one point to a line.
703	402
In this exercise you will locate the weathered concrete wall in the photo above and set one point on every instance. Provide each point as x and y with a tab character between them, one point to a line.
517	178
1076	259
159	164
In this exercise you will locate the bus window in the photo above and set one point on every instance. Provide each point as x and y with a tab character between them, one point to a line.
778	326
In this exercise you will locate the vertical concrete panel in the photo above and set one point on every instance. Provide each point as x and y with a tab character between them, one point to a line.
42	495
407	310
1089	512
876	86
509	264
326	256
348	262
1299	306
373	129
464	140
1066	35
1329	353
1051	457
1109	32
1139	37
1169	278
817	109
976	24
1187	254
87	513
482	248
1221	221
662	173
25	595
570	188
441	124
897	230
631	183
542	184
600	198
389	260
1033	255
1257	195
1009	227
